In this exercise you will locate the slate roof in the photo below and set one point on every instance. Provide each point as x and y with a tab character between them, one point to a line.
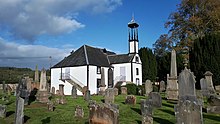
87	55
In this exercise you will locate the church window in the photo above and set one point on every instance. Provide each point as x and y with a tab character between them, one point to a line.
137	71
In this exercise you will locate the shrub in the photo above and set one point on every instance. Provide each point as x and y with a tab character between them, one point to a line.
131	89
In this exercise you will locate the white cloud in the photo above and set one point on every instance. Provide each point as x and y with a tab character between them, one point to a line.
17	55
27	19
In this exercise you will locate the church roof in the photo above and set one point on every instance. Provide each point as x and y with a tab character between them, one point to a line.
87	55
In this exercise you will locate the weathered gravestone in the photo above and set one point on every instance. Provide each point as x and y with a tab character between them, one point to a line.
102	84
24	93
162	86
172	85
188	110
213	104
61	94
109	96
50	106
87	95
42	94
208	77
204	87
79	111
156	99
36	74
115	91
217	89
74	92
146	111
124	90
103	114
130	99
148	87
3	111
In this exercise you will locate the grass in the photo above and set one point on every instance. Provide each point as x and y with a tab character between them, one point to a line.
37	113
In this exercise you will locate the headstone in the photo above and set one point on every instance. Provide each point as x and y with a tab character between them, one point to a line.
187	82
53	90
156	99
19	114
213	104
204	87
3	90
124	90
217	88
87	95
42	94
103	114
109	96
74	92
172	85
36	77
2	111
110	78
188	112
50	106
79	111
148	87
130	99
61	91
62	100
208	78
57	92
162	86
24	93
146	111
116	91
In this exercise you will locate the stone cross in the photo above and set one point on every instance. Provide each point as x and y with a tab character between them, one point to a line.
36	77
109	96
148	87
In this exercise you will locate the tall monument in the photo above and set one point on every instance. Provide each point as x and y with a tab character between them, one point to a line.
36	76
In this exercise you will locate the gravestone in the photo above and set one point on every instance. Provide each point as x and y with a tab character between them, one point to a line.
24	93
3	91
103	114
87	95
213	104
130	99
172	85
115	91
102	84
124	90
187	82
50	106
146	111
217	89
74	92
62	100
204	87
208	78
188	112
36	75
61	89
109	96
148	87
53	90
156	99
57	92
110	78
162	86
2	111
79	112
42	94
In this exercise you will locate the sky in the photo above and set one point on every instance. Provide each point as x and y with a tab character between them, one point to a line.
43	32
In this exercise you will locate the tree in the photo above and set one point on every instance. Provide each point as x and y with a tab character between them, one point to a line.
205	56
193	19
149	67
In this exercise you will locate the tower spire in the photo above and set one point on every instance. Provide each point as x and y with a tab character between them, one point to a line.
133	35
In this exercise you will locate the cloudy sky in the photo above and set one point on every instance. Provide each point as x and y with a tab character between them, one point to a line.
32	31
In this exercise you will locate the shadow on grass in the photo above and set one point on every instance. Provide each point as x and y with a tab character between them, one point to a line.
123	102
167	111
9	113
9	103
138	121
26	118
137	110
167	105
162	121
172	101
46	120
212	117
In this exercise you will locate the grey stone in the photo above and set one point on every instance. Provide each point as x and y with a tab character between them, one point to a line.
110	78
87	95
130	99
214	100
213	109
36	75
43	80
162	86
79	111
217	88
156	99
148	87
102	78
146	111
61	89
19	114
109	96
116	91
204	87
188	112
3	111
74	92
103	114
187	85
124	90
50	106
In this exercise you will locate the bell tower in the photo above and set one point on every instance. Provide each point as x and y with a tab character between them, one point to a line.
133	36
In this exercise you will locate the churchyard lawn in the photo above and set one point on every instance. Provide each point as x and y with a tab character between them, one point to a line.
37	113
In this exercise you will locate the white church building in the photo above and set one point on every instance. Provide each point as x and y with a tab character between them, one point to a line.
93	68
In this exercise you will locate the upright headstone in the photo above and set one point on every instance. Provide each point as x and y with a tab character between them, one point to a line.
102	83
156	99
87	95
204	87
109	96
208	78
42	94
162	86
172	85
103	114
50	106
130	99
124	90
61	89
148	87
74	92
24	93
79	111
2	111
110	78
3	90
53	90
116	91
146	112
36	75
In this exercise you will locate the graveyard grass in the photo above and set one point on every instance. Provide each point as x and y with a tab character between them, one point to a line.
37	113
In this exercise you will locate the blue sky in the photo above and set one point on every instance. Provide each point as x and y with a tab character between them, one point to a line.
31	31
